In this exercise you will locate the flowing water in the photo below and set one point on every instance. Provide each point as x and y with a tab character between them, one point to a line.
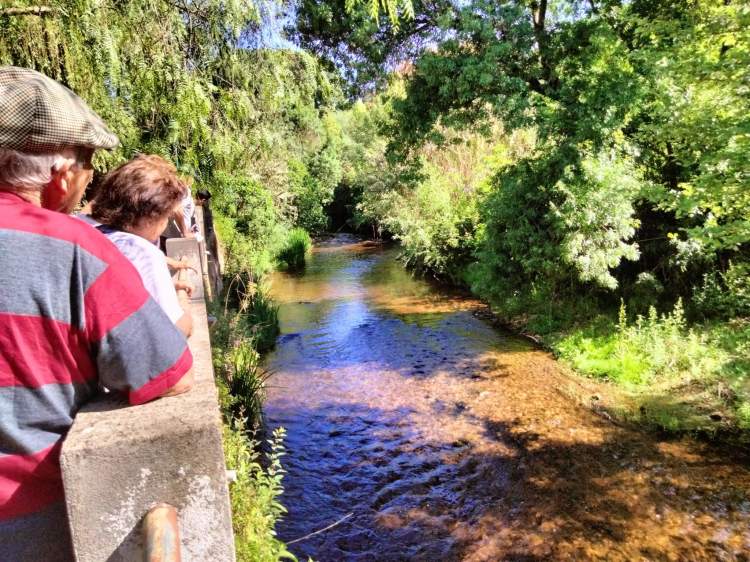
422	433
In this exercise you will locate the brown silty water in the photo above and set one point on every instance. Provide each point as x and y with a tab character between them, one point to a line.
429	435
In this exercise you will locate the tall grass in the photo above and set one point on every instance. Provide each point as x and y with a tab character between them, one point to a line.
291	255
236	338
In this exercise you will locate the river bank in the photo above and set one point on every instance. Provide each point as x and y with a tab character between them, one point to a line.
700	389
651	371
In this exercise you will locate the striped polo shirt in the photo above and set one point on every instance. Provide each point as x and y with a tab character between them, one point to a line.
74	315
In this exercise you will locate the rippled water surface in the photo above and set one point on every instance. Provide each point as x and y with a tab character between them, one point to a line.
429	435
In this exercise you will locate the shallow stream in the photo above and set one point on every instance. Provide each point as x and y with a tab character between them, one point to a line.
422	433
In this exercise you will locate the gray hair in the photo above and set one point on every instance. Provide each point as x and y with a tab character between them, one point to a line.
21	171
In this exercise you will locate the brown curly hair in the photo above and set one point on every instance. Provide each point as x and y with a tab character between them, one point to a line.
145	188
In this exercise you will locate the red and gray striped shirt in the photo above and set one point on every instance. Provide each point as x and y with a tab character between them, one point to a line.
74	315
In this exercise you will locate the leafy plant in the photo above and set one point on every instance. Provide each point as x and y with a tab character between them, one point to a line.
291	256
255	493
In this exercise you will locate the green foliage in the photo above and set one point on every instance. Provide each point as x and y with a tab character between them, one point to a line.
310	210
345	34
247	202
255	493
695	122
291	256
725	294
236	339
595	216
437	221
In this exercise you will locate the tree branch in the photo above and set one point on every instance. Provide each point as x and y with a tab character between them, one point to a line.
539	12
28	11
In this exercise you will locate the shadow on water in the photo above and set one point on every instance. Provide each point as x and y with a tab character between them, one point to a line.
447	440
515	495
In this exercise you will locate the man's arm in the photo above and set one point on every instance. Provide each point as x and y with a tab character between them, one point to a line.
137	348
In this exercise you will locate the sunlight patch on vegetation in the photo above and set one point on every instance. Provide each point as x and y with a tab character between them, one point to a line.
680	375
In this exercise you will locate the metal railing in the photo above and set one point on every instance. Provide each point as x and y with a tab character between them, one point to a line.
162	534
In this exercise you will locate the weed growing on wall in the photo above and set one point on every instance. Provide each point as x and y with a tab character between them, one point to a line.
255	493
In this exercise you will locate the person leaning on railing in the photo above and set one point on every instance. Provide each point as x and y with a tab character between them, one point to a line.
132	206
74	314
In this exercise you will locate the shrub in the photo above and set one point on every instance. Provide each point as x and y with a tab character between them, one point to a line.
291	256
724	294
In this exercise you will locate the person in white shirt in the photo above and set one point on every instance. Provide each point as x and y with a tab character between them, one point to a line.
132	206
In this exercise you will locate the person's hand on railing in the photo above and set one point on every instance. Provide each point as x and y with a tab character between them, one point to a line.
186	286
184	292
179	265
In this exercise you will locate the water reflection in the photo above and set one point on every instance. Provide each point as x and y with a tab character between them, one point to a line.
447	440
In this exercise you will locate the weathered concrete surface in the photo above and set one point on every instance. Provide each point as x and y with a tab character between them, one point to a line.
118	461
189	248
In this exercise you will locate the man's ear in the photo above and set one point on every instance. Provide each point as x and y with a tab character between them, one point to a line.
55	192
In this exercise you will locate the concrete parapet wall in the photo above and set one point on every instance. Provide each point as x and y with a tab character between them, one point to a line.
118	461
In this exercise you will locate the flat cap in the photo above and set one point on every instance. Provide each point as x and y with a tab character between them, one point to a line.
38	114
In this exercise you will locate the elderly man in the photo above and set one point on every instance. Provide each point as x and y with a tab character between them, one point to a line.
74	314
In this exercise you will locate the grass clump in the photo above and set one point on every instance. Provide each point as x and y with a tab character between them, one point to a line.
238	336
677	376
291	255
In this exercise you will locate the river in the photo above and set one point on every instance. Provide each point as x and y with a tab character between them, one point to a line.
420	432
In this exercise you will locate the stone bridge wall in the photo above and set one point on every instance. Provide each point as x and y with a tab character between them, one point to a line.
118	461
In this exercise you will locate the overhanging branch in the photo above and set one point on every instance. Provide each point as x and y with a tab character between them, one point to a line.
27	11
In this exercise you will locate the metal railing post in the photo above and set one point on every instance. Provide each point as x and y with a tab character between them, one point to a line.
162	534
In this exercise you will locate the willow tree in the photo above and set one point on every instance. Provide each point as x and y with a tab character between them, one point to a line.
178	78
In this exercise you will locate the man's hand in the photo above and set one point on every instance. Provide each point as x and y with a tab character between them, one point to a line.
183	385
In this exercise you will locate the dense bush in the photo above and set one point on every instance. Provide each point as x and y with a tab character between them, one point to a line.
617	171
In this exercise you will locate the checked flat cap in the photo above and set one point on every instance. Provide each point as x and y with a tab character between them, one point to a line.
38	114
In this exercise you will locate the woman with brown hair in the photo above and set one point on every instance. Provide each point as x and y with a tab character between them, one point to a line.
132	207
